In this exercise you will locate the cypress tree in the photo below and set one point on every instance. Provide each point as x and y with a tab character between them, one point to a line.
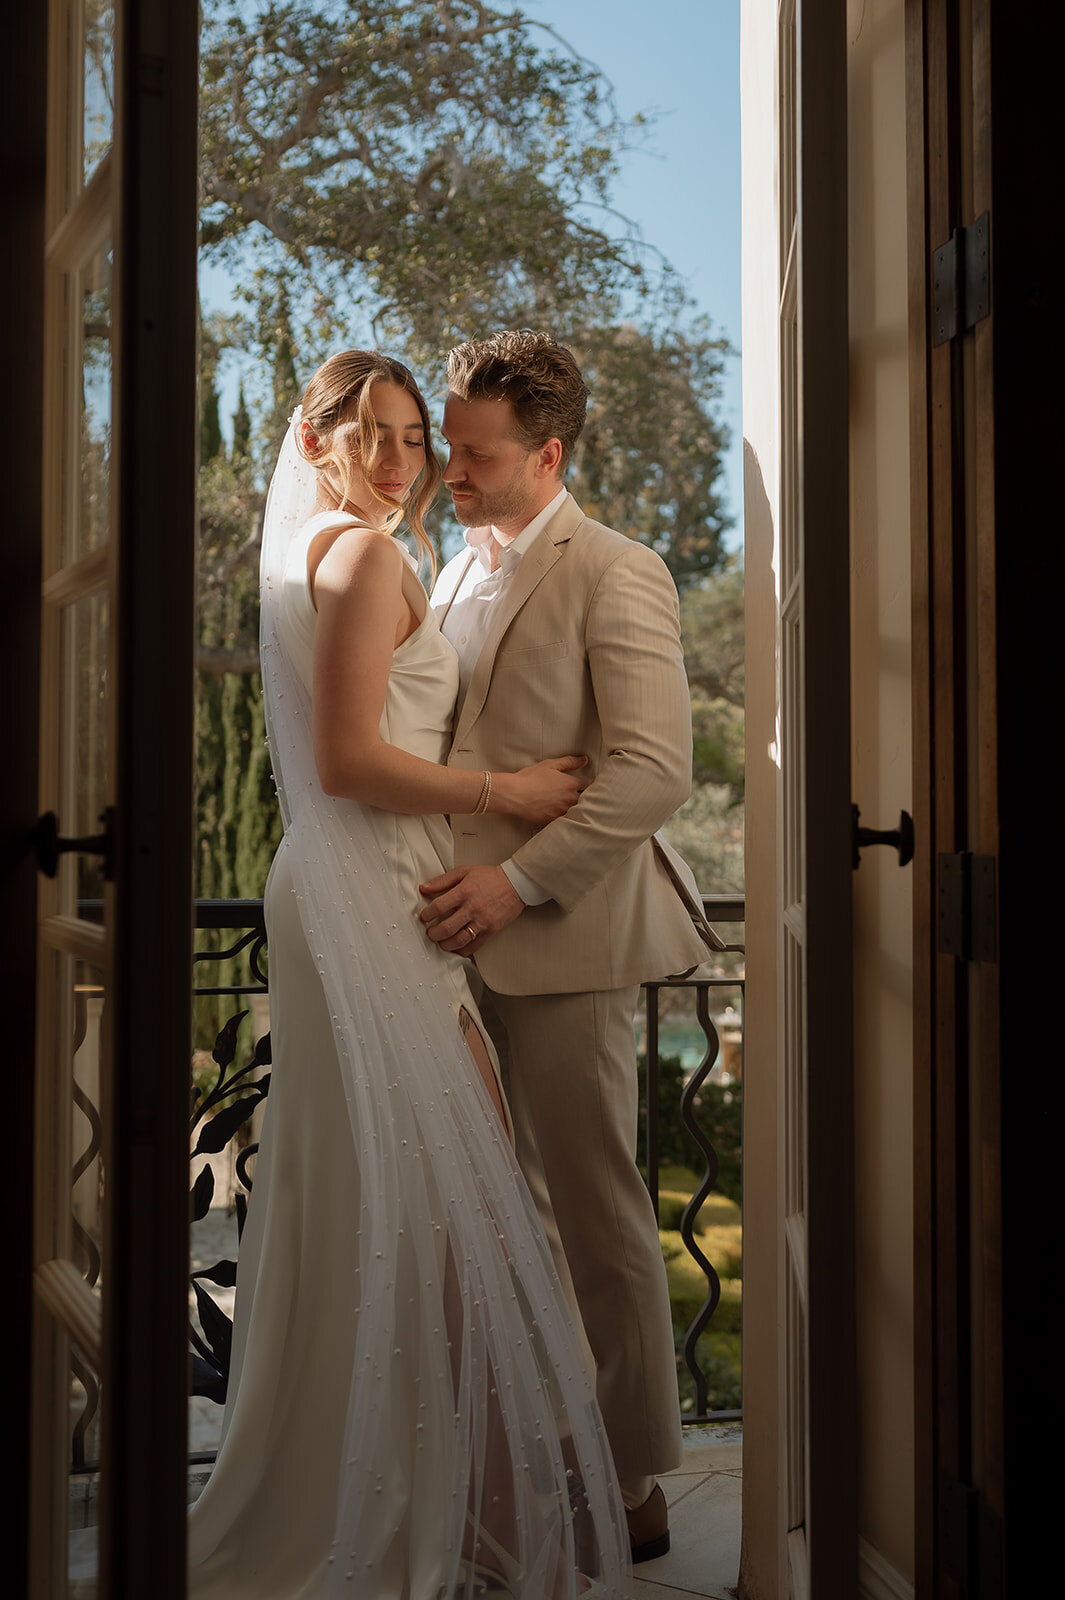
210	420
286	384
239	822
241	430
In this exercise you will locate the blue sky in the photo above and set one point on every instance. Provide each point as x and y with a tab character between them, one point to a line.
677	61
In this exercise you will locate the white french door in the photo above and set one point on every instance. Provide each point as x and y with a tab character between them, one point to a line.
815	1096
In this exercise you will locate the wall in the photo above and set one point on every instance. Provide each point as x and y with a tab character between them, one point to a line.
762	1548
881	786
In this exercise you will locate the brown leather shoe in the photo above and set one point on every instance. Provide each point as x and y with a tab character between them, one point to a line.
649	1527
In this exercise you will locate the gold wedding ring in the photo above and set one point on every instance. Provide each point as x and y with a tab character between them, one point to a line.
472	931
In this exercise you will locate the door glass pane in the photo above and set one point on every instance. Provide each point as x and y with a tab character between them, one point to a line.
84	1484
86	1124
83	749
90	516
99	79
86	1043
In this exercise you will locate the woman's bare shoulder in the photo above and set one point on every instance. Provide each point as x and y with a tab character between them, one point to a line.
355	556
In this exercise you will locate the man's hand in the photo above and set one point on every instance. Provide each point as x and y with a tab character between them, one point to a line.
479	897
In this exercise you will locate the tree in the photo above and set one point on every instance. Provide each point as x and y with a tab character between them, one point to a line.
712	624
712	618
210	420
378	144
411	172
717	1110
236	807
231	502
649	459
708	833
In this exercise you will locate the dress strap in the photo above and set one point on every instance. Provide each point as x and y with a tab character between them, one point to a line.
462	579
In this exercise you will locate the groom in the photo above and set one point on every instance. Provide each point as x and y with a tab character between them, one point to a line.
568	642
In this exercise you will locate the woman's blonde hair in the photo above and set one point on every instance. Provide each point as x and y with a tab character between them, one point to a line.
340	391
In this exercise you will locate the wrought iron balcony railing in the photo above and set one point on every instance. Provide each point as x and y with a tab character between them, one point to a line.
222	1111
229	1093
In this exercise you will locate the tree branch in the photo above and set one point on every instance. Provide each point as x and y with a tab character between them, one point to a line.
216	660
257	204
247	555
307	124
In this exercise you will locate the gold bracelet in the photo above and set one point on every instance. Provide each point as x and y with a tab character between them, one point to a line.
485	795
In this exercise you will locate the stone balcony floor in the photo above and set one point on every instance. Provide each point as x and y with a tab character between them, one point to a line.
704	1502
703	1494
704	1517
704	1520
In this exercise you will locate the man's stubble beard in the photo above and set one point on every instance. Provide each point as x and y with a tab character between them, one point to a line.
511	503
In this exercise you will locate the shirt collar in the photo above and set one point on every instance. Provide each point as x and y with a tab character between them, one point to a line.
481	540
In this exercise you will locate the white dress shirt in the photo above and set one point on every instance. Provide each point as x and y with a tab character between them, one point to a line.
495	558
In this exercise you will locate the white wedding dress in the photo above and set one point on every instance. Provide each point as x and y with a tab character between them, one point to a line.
409	1414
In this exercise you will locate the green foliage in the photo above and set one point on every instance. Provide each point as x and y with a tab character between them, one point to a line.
241	429
238	822
688	1289
712	623
708	833
718	1110
723	1245
708	828
675	1143
721	1241
412	174
210	422
408	173
286	383
649	459
717	1210
671	1206
374	145
719	1355
684	1180
718	1350
717	746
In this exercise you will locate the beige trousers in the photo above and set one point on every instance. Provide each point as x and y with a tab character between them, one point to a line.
569	1069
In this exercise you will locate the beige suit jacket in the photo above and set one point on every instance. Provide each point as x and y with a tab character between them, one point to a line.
584	656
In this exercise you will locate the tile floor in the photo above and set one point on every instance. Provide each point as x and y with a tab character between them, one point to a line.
704	1517
704	1521
703	1494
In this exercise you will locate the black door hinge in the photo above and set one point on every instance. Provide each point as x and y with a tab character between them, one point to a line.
961	280
965	906
970	1540
958	1511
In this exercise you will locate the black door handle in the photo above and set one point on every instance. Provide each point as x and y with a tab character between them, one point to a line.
900	838
51	844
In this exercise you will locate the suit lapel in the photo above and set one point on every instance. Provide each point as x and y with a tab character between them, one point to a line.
533	566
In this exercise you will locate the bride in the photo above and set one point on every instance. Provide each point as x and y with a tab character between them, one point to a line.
410	1415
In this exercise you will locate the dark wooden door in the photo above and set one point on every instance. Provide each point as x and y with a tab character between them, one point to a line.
986	582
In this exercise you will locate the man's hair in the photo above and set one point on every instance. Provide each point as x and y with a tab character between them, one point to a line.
536	374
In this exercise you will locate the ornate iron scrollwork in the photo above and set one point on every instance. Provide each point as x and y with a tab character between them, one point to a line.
212	1348
694	1206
